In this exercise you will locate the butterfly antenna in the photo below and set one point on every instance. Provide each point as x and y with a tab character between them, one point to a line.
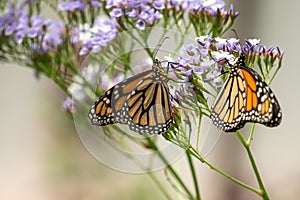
235	33
158	47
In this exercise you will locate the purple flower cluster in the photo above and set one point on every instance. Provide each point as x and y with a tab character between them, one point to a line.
196	6
145	13
16	22
206	58
54	36
69	105
224	49
102	33
81	5
214	7
48	35
142	13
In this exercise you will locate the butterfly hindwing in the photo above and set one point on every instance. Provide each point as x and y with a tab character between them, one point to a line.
261	104
101	112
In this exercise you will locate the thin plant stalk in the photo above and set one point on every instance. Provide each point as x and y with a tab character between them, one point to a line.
262	192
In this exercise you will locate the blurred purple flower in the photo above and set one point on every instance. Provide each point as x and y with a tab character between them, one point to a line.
141	13
116	12
13	20
100	35
69	105
95	3
213	6
81	5
219	56
75	33
72	5
158	4
54	36
189	54
77	89
208	58
36	29
114	3
133	13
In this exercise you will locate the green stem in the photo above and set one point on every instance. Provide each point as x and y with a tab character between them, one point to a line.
198	197
159	185
196	153
198	131
170	168
263	193
140	164
250	135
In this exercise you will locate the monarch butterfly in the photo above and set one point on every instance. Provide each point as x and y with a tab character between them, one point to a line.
244	97
141	101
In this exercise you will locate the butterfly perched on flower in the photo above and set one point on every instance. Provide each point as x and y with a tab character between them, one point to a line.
143	102
244	97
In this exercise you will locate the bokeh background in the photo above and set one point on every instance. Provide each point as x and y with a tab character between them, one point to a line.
42	157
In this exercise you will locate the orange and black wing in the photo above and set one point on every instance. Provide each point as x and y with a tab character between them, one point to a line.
104	110
228	108
261	104
245	97
147	109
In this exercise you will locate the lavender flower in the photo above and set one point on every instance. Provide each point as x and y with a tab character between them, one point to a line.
102	33
54	36
77	89
72	5
80	5
36	29
213	6
207	59
140	24
18	23
196	6
95	3
140	13
116	12
189	54
158	4
69	105
13	21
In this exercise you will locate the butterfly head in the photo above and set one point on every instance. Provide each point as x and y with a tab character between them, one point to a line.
241	60
159	70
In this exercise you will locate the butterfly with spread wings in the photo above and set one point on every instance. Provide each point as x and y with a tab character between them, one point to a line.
141	101
244	97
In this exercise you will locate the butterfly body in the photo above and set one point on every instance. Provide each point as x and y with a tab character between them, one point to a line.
245	97
141	101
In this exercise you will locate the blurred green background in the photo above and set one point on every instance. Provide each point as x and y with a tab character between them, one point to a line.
42	157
